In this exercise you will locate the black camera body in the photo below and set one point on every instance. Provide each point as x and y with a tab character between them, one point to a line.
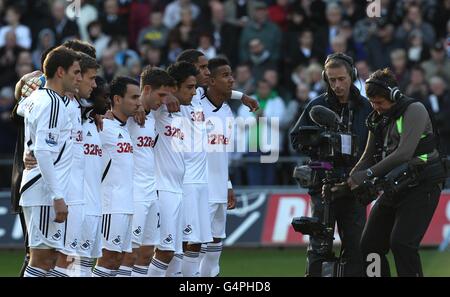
323	144
332	144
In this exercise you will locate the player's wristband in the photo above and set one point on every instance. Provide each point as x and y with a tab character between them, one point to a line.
230	185
236	95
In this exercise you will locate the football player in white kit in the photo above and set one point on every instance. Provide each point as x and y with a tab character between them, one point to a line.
195	218
170	167
117	178
90	245
76	199
156	86
219	126
47	134
196	175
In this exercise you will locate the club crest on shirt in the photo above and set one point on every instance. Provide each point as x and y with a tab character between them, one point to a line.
57	235
74	244
86	245
168	239
52	139
117	240
137	231
187	230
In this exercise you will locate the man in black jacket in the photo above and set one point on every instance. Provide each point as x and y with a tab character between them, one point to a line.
402	135
344	99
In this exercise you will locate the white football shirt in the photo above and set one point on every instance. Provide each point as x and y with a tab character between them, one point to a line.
144	140
75	194
92	150
169	159
118	167
219	126
195	158
48	130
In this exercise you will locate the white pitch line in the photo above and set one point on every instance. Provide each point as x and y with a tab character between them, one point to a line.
242	228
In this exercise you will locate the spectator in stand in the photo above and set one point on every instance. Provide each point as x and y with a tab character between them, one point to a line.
156	33
109	68
272	77
352	12
263	29
417	87
414	20
271	107
399	64
98	38
205	46
244	82
172	14
439	64
364	72
380	45
185	32
313	78
297	20
113	23
328	31
355	49
417	50
138	18
278	14
439	103
239	12
46	39
62	26
300	50
294	110
154	56
12	19
260	58
223	32
9	129
8	58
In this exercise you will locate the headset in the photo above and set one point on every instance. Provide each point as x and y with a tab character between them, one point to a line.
346	59
394	92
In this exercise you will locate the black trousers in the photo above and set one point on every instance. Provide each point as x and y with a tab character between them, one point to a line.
350	216
399	224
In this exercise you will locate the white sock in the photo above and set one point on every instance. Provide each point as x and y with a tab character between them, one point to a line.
174	269
157	268
209	267
191	264
58	272
124	271
100	271
82	267
34	272
202	254
139	271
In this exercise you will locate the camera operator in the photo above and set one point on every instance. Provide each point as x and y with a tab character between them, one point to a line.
401	133
344	99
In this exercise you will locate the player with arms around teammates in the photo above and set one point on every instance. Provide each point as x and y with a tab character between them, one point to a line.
117	178
47	134
156	86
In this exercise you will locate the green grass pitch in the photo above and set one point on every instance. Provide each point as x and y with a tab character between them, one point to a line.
261	262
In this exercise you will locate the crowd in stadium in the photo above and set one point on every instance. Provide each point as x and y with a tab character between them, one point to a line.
276	47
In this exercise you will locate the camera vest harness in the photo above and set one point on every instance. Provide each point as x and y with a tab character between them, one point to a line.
378	125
